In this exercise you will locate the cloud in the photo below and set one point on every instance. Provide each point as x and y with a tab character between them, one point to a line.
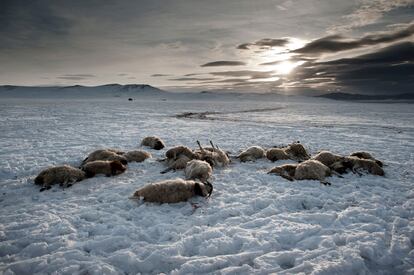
265	43
191	79
244	73
28	24
160	75
337	43
76	76
369	12
387	70
223	63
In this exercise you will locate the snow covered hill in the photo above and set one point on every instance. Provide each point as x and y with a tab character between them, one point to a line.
253	223
78	91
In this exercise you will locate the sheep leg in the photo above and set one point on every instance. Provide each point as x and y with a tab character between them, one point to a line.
199	145
285	175
212	145
45	187
355	171
337	174
325	182
166	170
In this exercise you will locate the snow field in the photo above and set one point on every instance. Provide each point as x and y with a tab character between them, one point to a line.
253	222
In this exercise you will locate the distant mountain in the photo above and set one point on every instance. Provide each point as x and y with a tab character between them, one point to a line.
108	90
345	96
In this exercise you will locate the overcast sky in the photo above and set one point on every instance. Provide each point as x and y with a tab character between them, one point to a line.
262	45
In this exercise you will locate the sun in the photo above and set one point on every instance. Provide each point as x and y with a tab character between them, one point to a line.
285	67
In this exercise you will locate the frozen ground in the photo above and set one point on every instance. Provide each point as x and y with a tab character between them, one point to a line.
253	223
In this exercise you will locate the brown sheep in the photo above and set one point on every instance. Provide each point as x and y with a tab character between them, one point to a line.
177	158
366	155
307	170
274	154
173	191
108	168
327	158
356	164
153	142
214	155
286	171
176	164
251	154
64	175
105	154
137	156
177	151
297	151
198	169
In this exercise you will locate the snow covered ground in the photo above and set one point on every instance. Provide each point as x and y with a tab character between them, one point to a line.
253	222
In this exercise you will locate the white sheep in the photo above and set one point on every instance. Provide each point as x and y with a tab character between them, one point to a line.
64	175
252	153
198	169
108	168
173	191
153	142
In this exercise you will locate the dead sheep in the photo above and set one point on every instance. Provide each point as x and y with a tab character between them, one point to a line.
64	175
366	155
252	153
177	151
198	169
327	158
108	168
153	142
312	170
274	154
286	171
177	158
296	151
307	170
105	154
176	164
137	156
173	191
213	155
356	165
